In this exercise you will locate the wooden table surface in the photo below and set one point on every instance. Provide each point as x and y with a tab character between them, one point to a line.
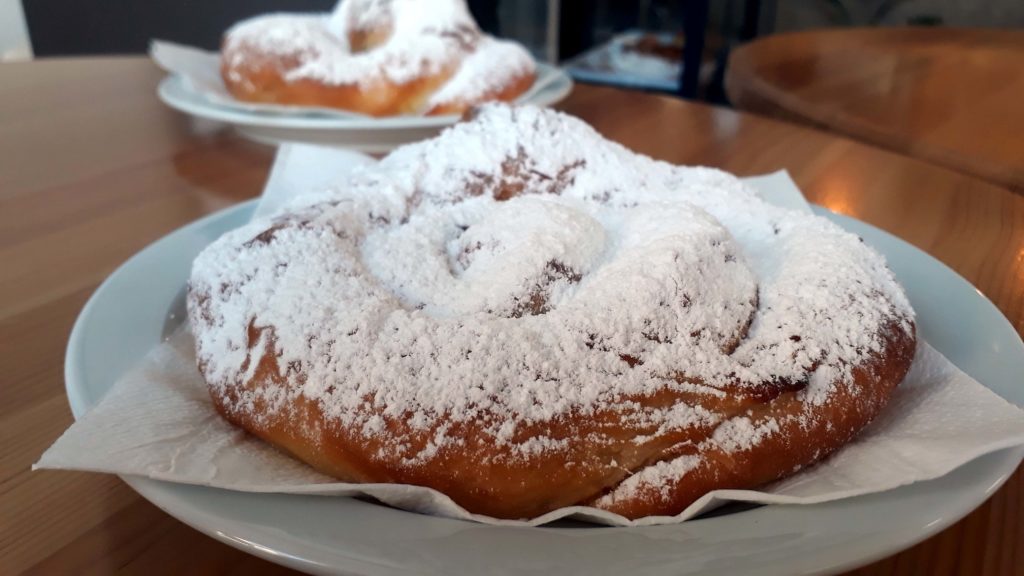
951	96
93	168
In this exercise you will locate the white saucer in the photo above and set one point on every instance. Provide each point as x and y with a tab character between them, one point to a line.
276	124
134	307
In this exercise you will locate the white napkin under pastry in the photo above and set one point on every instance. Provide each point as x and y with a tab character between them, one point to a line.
158	421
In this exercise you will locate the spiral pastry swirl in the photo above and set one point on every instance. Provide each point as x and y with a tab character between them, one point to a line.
525	316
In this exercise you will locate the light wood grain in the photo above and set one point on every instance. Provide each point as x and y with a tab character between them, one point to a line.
950	96
93	168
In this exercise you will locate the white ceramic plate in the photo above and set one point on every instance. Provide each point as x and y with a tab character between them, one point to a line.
133	308
374	135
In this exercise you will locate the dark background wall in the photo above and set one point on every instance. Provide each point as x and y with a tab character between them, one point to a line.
66	27
59	27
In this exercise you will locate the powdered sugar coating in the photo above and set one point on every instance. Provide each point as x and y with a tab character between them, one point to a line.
493	66
423	38
652	479
326	57
404	17
654	482
414	288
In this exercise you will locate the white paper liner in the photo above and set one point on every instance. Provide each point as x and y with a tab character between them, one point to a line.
201	71
158	421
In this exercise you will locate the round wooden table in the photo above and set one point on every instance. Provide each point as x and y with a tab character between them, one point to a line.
950	96
93	168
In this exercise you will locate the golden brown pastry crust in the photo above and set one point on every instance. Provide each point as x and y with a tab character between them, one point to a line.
254	70
590	452
507	93
477	477
807	433
263	80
